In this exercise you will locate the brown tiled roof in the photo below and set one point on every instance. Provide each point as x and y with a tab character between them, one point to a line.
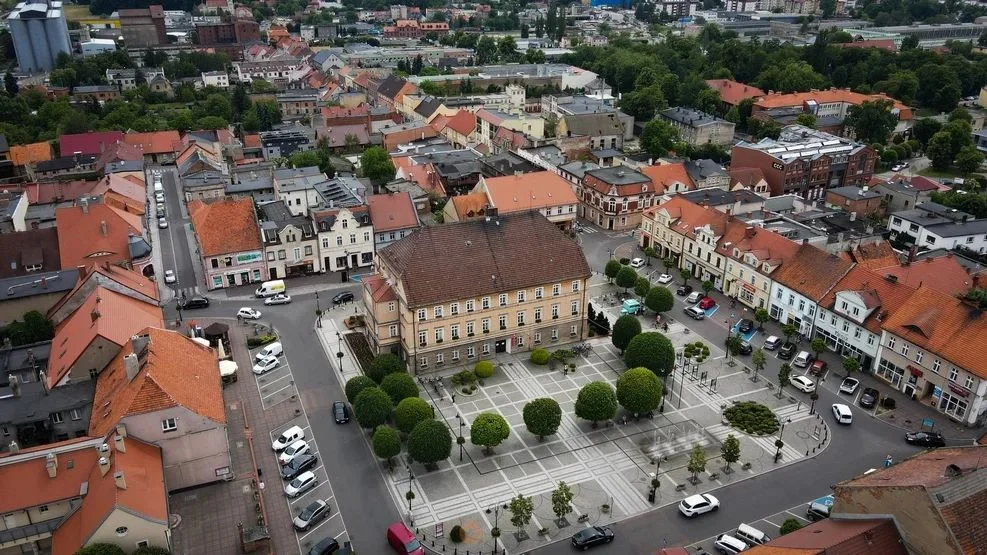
782	100
463	122
966	519
476	258
225	226
874	255
27	154
175	371
380	290
838	537
469	206
135	281
767	246
156	142
30	245
104	313
664	175
26	483
81	237
392	211
745	177
812	272
943	273
877	292
252	140
942	324
732	92
529	191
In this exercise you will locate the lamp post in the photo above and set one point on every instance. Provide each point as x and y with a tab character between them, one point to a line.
779	444
318	311
460	439
410	495
339	352
495	532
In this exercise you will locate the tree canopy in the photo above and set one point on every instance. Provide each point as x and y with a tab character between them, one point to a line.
653	351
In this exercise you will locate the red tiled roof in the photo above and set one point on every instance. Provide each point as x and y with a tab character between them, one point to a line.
252	140
51	192
470	205
529	191
26	484
732	92
665	175
175	371
84	239
392	211
943	273
883	44
783	100
157	142
91	142
119	150
464	123
330	112
837	536
135	281
22	155
686	216
879	294
745	177
812	272
874	255
765	245
225	226
379	290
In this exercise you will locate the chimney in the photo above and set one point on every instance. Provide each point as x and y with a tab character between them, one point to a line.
122	430
138	343
51	464
102	228
14	448
43	378
805	241
82	272
119	444
853	216
104	466
15	385
131	364
892	278
84	204
94	315
750	232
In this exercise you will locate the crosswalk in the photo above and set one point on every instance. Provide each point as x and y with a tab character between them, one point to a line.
188	292
588	229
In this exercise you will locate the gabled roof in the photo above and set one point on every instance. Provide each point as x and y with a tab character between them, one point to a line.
391	87
225	226
812	272
120	184
91	142
26	482
392	211
827	96
469	206
117	152
380	290
130	279
878	293
732	92
874	255
837	536
28	248
94	234
156	142
104	313
943	273
594	125
429	262
529	191
174	372
463	122
22	155
745	177
765	245
664	175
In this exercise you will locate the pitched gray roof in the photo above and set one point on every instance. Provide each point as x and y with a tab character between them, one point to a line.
594	125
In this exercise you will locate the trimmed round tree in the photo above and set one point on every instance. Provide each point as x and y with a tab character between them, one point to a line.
483	369
357	384
659	299
430	442
596	401
387	444
542	417
410	412
372	407
384	364
613	266
399	386
624	329
626	277
653	351
489	429
639	390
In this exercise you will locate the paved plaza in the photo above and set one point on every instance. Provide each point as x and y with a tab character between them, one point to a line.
609	467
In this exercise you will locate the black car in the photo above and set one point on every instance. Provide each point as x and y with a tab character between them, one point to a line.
195	302
745	348
344	297
588	537
787	351
683	290
326	546
869	397
340	412
926	439
745	325
316	511
299	464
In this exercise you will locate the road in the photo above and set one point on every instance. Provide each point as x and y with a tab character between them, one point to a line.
175	253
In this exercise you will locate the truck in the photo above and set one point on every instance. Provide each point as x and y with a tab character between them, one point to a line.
270	288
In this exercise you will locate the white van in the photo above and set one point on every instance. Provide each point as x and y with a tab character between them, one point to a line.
272	350
751	535
289	436
802	359
270	288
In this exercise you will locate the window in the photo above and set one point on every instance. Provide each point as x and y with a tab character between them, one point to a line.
485	349
469	328
43	509
918	357
471	352
503	299
520	318
575	286
520	341
539	292
169	425
871	338
423	362
454	329
422	338
75	414
556	289
555	334
281	254
485	303
537	338
574	306
352	238
440	358
56	417
366	236
572	330
538	315
891	342
339	241
502	320
440	334
935	365
391	306
520	296
455	355
846	326
122	531
968	383
143	543
904	349
437	312
454	309
843	306
393	330
485	325
422	314
953	374
469	305
270	256
801	305
555	311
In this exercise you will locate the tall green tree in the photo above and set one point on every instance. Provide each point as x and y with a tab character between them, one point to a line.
10	84
377	166
372	408
542	417
562	500
522	509
596	401
386	444
658	137
612	269
872	121
410	411
430	442
730	450
489	429
697	461
659	299
639	391
626	327
626	277
653	351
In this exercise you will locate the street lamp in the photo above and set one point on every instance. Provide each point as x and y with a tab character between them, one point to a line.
495	532
410	495
339	352
460	440
779	443
318	311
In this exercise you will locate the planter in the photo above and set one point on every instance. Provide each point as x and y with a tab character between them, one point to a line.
604	508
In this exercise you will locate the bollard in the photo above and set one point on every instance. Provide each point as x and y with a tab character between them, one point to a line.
433	543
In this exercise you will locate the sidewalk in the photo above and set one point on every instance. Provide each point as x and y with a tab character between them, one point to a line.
328	283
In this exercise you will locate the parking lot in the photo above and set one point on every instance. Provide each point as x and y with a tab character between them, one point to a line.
275	386
770	525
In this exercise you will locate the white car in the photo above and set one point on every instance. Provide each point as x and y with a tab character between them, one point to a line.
695	505
637	263
162	223
170	276
300	447
159	197
304	482
266	364
849	386
842	413
802	384
694	297
248	313
664	279
729	545
280	298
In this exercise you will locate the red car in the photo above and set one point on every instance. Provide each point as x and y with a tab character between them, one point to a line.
818	368
707	303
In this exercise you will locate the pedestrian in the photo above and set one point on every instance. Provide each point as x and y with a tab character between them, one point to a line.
888	462
453	397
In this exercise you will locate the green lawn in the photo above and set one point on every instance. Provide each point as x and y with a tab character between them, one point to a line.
75	12
932	172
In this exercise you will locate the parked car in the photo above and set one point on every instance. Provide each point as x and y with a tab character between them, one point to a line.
637	263
842	413
787	351
316	511
592	536
706	303
695	312
868	398
248	313
849	386
195	302
280	298
925	439
745	325
304	482
698	504
745	348
265	365
729	545
631	306
162	223
170	276
300	447
326	546
340	412
820	508
683	290
297	465
288	437
694	297
771	343
344	297
802	384
818	367
664	279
